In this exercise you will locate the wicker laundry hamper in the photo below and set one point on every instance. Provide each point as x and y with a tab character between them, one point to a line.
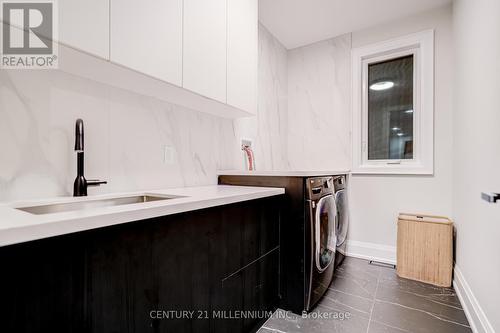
425	248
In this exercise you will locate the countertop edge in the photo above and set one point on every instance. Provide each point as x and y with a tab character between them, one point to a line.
31	232
282	173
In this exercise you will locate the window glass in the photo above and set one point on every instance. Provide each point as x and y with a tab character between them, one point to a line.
390	109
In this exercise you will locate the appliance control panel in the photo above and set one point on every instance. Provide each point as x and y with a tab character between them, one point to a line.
318	187
339	182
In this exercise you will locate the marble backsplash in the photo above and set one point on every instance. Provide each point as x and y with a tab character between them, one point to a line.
125	136
125	133
319	105
269	128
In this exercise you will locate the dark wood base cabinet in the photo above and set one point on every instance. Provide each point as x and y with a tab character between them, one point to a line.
211	270
295	236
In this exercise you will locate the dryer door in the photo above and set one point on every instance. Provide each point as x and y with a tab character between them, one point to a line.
342	216
324	229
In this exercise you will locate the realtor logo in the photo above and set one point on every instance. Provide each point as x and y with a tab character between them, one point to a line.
28	31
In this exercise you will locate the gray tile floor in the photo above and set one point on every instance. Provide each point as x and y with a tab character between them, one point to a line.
368	298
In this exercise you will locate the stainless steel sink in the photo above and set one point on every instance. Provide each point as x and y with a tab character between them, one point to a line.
93	203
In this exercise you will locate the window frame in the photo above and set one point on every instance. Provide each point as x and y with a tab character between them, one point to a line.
421	46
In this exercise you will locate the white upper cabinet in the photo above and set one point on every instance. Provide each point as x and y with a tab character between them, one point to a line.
84	25
146	36
203	53
242	54
205	47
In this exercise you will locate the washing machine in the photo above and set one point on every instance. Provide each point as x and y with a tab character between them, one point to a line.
342	221
321	216
313	230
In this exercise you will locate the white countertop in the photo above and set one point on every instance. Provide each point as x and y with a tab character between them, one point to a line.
17	226
286	173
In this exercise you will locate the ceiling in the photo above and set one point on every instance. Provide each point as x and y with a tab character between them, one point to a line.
299	22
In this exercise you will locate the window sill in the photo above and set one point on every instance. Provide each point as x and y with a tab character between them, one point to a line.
392	170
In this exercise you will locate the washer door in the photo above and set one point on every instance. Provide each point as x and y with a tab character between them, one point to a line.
324	228
342	216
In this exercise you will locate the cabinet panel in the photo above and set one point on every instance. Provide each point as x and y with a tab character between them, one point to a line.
242	54
121	289
42	286
84	25
245	232
252	290
204	62
147	36
260	288
182	264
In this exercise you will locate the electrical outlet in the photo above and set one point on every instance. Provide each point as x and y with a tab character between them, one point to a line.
246	142
168	155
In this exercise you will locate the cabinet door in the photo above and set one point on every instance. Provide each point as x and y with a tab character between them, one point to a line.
121	290
147	36
84	25
204	65
42	286
242	54
253	289
182	266
244	267
260	288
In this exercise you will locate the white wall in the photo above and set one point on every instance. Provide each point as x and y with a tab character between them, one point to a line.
466	143
125	133
477	156
319	131
377	200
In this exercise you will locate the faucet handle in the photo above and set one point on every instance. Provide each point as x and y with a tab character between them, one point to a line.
96	182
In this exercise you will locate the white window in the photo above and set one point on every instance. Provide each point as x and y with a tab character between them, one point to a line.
393	106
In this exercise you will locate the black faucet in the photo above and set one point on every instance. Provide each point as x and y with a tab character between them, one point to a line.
81	184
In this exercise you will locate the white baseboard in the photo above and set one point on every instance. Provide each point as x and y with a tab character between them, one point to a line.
371	251
478	321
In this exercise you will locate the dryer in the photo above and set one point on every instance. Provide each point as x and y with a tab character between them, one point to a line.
342	221
321	217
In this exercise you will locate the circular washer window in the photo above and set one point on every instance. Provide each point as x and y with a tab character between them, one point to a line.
325	232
